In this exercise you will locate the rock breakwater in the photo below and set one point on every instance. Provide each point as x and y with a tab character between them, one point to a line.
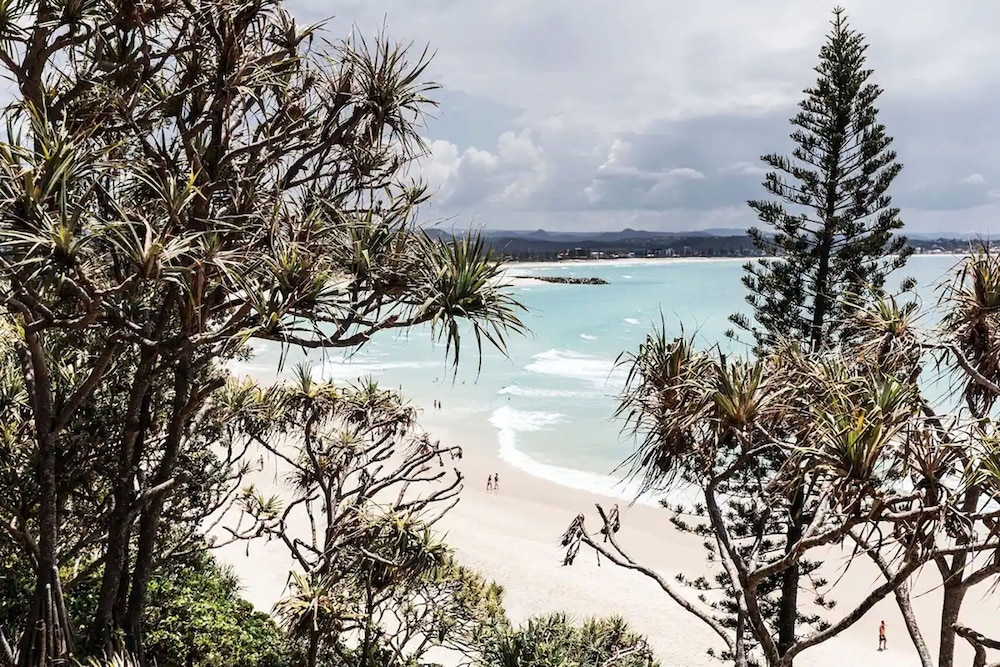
565	280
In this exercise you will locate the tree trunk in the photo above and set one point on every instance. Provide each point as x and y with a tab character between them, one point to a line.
145	550
109	614
788	607
102	630
954	594
366	648
789	602
825	236
954	588
47	638
149	524
47	634
739	647
313	657
6	652
821	300
902	593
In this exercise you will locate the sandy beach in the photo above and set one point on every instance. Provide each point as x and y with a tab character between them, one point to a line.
513	537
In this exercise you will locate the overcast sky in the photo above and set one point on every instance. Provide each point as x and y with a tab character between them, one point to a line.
600	115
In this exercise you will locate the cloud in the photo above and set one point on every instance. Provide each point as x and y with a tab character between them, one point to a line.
743	168
507	175
603	115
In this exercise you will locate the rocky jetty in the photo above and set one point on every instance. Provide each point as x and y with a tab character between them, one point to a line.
567	280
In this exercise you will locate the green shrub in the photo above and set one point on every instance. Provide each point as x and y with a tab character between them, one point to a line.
195	616
554	641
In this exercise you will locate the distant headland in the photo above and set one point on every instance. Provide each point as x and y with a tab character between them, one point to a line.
553	246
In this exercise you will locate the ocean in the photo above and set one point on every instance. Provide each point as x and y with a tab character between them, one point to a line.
547	407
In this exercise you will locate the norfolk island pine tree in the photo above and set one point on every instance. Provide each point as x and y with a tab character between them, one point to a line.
832	222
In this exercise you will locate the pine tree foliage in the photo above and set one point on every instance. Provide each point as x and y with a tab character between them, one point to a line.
829	228
830	239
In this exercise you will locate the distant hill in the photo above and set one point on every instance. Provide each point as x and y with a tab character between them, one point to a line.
964	236
628	233
540	244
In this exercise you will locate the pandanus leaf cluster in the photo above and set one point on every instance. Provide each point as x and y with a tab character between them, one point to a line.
178	182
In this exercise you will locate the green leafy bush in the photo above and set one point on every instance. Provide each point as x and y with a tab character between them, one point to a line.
554	641
196	617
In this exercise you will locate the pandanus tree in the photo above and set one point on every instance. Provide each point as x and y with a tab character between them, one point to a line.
903	478
372	585
968	347
957	463
207	475
714	426
178	180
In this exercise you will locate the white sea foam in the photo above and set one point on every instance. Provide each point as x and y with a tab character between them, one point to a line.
509	422
248	369
588	337
597	372
631	320
524	421
405	335
356	367
627	277
532	392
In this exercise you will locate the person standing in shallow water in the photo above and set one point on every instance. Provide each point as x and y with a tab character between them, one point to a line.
881	636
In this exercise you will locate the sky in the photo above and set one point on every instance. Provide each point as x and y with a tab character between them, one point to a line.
591	115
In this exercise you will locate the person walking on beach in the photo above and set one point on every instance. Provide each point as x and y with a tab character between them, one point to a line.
496	482
489	483
881	636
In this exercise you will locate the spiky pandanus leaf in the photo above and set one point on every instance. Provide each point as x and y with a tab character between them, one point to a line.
972	323
314	605
860	433
668	394
883	333
462	281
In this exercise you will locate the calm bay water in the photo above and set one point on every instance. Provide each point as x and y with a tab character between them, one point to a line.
547	407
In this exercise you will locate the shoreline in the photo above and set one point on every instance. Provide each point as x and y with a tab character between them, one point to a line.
512	537
511	265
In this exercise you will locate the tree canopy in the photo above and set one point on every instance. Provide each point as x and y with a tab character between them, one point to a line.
178	180
831	222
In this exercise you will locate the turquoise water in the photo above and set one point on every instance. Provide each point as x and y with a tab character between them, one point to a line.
547	407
